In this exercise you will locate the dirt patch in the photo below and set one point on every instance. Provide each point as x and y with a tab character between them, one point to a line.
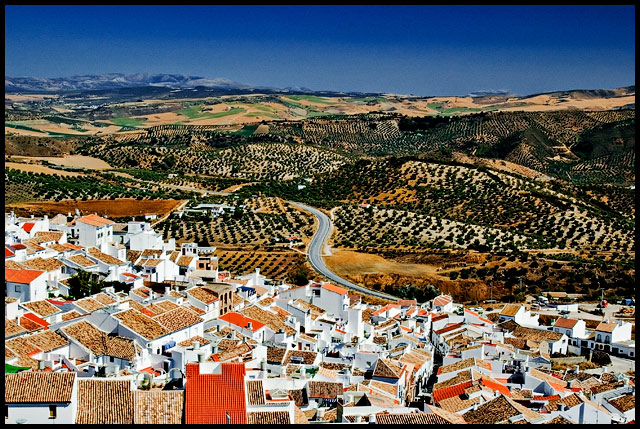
119	207
234	188
350	263
79	161
36	168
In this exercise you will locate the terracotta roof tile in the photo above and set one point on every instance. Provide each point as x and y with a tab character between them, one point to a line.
89	304
42	308
38	387
536	335
510	310
104	257
184	261
69	315
337	289
47	341
94	409
202	295
386	418
189	342
606	327
21	276
255	392
492	412
241	321
307	357
387	368
141	324
324	389
178	319
269	417
104	299
133	255
99	342
49	264
272	320
32	323
442	300
210	397
460	377
624	403
82	260
165	407
565	323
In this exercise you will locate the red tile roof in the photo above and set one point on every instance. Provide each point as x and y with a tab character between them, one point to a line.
449	327
209	398
493	385
8	253
32	317
94	220
28	226
451	391
442	300
565	323
241	321
21	276
19	246
336	289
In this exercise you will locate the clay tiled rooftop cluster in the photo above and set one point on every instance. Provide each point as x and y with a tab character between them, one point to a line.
82	260
202	295
255	392
103	257
98	342
164	407
89	304
49	264
95	220
141	324
324	389
273	321
177	319
410	419
94	409
38	387
11	328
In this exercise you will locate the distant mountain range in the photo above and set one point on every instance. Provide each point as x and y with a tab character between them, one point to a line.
115	81
119	80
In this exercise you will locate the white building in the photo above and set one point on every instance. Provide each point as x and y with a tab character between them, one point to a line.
25	285
94	231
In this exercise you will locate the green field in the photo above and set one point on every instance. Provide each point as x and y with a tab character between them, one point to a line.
311	98
267	114
195	112
246	131
21	127
128	122
364	99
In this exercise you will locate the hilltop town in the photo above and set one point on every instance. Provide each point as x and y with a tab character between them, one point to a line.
109	323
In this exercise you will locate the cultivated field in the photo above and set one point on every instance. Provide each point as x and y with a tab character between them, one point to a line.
120	207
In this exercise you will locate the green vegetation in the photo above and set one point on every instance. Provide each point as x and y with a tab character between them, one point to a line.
128	122
246	131
311	98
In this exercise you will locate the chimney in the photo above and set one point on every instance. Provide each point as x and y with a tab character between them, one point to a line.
167	289
41	365
196	345
576	369
475	406
250	326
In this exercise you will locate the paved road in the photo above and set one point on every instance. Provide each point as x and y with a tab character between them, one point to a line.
316	246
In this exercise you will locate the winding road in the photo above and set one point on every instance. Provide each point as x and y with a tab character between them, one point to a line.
314	253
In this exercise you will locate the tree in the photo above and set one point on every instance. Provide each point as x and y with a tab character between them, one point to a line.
83	284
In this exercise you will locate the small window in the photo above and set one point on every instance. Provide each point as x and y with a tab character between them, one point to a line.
111	359
52	412
18	288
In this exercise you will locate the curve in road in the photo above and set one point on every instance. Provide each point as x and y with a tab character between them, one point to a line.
314	253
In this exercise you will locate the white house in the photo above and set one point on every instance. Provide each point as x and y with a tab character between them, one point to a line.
94	231
443	304
519	314
25	285
40	397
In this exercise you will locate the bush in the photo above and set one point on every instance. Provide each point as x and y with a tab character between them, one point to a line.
600	358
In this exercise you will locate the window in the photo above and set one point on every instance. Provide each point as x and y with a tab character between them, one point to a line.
18	288
52	412
111	359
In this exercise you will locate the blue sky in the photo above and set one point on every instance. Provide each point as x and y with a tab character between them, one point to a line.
423	50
